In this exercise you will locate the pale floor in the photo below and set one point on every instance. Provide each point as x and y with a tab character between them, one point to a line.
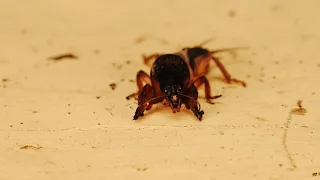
62	120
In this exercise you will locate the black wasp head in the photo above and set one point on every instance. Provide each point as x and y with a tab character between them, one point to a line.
172	95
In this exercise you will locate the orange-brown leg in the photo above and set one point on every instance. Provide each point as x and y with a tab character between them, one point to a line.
147	97
226	74
190	99
146	59
207	89
140	78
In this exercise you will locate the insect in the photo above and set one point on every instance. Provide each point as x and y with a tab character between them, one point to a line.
175	78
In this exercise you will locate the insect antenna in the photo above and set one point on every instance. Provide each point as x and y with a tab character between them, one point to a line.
204	42
152	99
227	49
189	97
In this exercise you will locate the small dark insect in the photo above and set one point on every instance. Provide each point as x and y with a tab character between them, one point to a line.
63	56
175	78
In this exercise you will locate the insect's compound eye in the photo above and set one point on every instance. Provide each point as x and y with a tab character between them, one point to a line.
166	92
179	89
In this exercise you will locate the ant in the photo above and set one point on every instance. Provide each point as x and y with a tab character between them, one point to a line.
175	79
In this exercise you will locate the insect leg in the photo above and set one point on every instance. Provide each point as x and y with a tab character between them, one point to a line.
146	59
207	89
189	98
226	74
140	78
147	97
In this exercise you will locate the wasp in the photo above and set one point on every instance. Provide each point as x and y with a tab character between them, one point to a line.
175	78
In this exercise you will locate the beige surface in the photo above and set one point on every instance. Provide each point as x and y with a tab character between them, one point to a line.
55	105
